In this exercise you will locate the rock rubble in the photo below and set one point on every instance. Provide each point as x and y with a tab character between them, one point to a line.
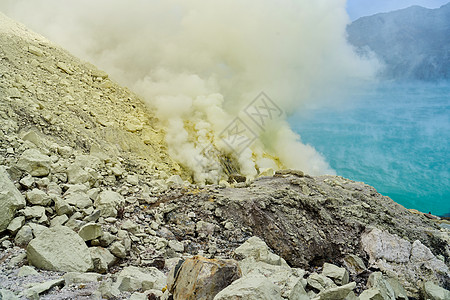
92	207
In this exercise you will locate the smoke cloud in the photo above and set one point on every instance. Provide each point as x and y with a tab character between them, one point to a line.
199	64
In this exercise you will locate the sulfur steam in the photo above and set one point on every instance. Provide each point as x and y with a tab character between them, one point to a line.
207	68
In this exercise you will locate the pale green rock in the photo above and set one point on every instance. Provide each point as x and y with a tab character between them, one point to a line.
118	249
320	282
34	212
62	207
133	278
27	271
77	277
371	294
102	259
59	220
23	236
435	292
10	199
16	224
59	248
38	197
42	287
108	202
257	248
378	281
7	295
34	162
80	200
90	231
339	275
336	293
250	287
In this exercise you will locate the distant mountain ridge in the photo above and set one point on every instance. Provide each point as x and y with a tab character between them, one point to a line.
414	42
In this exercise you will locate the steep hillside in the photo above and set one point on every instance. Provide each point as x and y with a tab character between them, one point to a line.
92	207
413	42
68	102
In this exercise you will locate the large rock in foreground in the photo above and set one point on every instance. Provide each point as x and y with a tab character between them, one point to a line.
10	199
201	278
59	249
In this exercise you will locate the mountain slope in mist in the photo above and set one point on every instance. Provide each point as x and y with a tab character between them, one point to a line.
414	42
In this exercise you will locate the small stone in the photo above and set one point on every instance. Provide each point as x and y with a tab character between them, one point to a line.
108	202
90	231
118	249
175	180
24	236
35	50
59	220
77	277
16	224
37	228
336	293
252	287
27	181
65	151
38	197
80	200
176	245
377	280
27	271
320	282
133	179
34	162
62	207
130	226
34	212
132	278
102	259
256	248
42	287
354	264
93	217
133	125
340	275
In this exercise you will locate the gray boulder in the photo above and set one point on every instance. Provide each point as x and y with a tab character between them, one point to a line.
59	248
10	199
34	162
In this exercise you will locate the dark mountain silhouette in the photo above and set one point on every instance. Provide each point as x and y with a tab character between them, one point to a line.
414	42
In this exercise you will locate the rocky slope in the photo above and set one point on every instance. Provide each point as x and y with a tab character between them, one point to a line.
92	207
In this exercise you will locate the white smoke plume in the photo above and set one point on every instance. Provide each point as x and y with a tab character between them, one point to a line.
200	63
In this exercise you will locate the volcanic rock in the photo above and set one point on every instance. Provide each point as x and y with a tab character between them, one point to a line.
10	199
59	249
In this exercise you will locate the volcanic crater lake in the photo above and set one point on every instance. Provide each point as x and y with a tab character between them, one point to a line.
394	136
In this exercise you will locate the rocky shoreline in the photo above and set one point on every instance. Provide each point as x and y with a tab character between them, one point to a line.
92	207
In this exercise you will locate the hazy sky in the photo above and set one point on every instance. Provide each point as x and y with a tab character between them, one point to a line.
360	8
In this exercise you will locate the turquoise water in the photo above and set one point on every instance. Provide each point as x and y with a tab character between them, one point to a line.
393	136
